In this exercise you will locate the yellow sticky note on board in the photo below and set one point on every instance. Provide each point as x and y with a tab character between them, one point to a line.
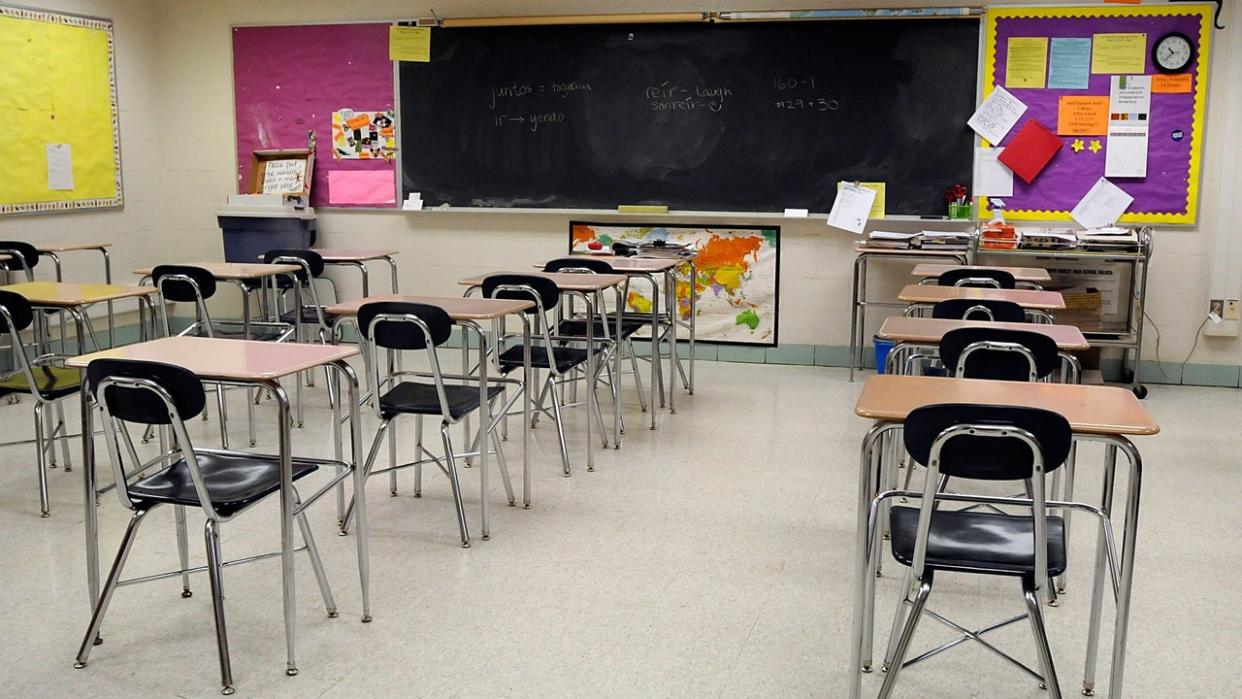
877	204
1026	62
1119	53
409	44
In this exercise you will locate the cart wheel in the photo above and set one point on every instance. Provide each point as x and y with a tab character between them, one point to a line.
1127	375
1140	391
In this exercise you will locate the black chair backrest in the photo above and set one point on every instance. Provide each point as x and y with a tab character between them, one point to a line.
177	290
22	255
624	249
961	309
405	335
19	308
581	262
999	365
312	258
954	277
547	291
142	405
987	458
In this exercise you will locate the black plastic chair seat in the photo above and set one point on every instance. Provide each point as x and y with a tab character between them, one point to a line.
566	358
263	333
413	398
309	317
578	328
51	382
234	481
977	542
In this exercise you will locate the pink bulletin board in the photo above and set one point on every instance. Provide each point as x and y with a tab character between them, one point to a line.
1170	192
290	80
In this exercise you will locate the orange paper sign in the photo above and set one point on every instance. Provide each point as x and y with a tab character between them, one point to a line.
361	121
1180	82
1082	116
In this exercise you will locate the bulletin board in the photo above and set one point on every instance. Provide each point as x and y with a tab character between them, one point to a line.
333	79
58	103
1169	194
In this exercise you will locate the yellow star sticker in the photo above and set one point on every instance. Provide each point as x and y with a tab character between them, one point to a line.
1096	146
1077	145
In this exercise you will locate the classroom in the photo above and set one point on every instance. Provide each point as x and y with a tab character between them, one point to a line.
768	348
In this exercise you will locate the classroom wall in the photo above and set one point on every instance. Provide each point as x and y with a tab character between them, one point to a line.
176	64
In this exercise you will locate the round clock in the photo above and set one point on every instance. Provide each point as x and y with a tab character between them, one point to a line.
1173	52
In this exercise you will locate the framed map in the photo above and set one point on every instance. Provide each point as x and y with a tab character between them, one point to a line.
736	285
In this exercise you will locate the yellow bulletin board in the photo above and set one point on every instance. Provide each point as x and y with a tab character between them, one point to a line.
1169	192
58	103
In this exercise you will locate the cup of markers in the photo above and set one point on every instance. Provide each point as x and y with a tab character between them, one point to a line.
958	199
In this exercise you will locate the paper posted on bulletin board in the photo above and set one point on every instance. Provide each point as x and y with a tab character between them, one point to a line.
58	104
1087	81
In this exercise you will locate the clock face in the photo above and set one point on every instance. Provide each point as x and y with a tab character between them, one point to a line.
1173	52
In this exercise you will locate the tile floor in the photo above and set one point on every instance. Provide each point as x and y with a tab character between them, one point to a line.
711	557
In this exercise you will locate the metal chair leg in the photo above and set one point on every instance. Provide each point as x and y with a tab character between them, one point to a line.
907	633
560	427
450	460
211	533
638	379
183	549
312	551
224	416
504	469
392	459
899	618
418	456
63	427
41	459
105	597
1031	594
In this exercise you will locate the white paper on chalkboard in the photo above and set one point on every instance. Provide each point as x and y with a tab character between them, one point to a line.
992	177
851	208
284	177
59	167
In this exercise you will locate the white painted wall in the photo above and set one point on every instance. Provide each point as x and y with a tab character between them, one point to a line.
176	68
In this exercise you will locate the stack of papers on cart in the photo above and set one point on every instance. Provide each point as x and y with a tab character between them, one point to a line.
1111	238
892	240
1048	239
945	240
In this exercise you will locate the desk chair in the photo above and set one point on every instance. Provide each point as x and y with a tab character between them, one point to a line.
400	326
981	309
980	442
41	379
986	278
189	284
548	352
305	316
22	257
573	326
222	484
1001	355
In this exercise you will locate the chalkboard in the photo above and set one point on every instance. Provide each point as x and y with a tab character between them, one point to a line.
707	117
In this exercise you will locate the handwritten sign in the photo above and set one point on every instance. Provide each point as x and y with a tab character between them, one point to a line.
409	44
284	177
1082	116
1180	82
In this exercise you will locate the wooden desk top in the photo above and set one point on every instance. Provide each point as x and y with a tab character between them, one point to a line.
458	308
565	281
1037	275
629	265
1104	410
231	271
929	331
1038	300
226	360
912	252
69	295
70	246
331	255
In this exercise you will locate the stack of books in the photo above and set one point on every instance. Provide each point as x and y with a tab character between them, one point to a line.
998	237
945	240
1112	238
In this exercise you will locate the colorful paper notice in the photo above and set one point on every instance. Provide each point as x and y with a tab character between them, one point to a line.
1069	67
1179	82
877	205
852	207
1128	125
1118	53
1026	62
59	167
409	44
997	115
363	135
362	187
1082	116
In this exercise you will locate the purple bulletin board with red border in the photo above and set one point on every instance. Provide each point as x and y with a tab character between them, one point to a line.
289	80
1169	193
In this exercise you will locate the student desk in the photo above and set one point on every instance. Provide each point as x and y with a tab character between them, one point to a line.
238	274
584	286
1039	303
908	333
858	300
74	298
253	364
358	259
647	268
1029	275
468	313
1095	413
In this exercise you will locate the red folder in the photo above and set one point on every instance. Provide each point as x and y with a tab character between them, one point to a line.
1030	151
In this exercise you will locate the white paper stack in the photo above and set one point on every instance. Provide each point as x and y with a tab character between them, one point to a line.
1048	239
892	240
1110	238
945	240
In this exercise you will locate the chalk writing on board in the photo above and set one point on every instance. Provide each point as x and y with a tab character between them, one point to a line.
531	121
668	96
517	90
816	104
781	84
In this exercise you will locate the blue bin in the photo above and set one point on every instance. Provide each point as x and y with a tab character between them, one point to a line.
882	348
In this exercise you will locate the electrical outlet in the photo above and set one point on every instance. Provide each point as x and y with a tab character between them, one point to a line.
1231	309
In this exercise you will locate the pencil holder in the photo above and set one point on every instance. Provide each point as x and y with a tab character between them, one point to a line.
961	212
